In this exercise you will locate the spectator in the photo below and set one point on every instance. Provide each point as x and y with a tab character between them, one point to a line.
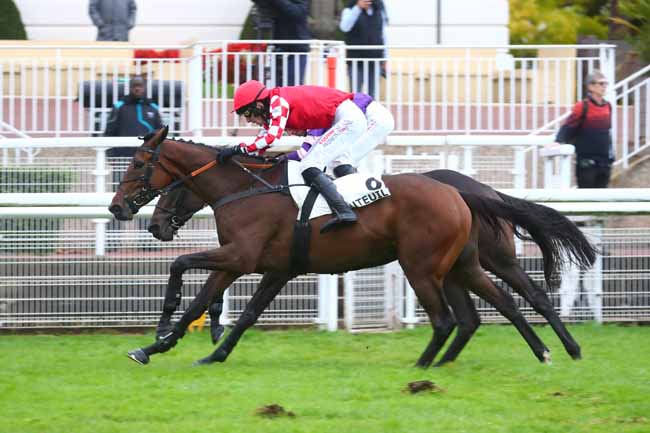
133	115
363	23
289	23
113	18
588	129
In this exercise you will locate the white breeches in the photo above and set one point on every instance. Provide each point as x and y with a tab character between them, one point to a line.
380	124
335	146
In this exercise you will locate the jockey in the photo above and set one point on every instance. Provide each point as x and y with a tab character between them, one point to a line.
380	123
302	108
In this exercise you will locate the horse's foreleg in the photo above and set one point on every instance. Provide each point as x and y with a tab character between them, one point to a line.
213	260
268	289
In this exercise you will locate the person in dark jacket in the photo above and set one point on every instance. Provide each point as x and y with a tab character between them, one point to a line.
289	23
363	23
588	129
113	18
133	115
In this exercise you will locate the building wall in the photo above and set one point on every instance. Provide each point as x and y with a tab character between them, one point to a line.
172	21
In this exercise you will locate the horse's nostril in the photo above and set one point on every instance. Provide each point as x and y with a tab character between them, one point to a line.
154	229
114	209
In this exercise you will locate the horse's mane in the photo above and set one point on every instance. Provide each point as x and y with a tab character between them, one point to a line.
258	159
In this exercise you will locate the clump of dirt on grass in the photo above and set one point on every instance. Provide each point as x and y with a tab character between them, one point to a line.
421	386
273	411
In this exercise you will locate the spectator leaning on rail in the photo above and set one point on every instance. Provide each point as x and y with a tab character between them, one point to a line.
301	108
113	18
588	129
363	23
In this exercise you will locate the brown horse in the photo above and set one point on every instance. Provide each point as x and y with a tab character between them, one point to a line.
423	224
496	254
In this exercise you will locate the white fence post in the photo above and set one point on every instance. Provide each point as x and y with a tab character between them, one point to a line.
409	314
557	166
328	312
348	299
100	173
195	92
519	171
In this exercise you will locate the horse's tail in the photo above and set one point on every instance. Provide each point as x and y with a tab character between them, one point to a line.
557	237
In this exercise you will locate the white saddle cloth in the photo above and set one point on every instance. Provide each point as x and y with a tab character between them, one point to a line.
357	189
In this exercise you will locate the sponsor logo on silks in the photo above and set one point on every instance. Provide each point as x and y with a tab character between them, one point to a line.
376	193
370	198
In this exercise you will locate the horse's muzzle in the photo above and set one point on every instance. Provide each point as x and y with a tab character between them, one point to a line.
161	235
121	213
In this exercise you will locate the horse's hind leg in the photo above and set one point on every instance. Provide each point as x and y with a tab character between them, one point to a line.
268	288
429	293
467	318
479	283
512	274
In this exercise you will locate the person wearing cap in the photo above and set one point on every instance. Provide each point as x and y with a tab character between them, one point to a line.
301	108
588	129
132	116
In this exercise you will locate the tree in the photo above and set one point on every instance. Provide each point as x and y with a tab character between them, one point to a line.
555	21
637	23
11	25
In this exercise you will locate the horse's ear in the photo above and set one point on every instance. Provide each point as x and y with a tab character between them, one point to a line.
158	136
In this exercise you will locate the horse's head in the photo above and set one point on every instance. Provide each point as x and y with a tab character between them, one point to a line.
173	211
143	179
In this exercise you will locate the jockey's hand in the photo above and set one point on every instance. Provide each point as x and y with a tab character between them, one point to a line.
227	153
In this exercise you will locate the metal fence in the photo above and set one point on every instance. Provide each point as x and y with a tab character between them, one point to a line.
53	278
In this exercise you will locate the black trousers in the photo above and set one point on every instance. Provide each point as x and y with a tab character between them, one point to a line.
592	174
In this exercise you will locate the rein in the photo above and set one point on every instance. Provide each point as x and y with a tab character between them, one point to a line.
148	193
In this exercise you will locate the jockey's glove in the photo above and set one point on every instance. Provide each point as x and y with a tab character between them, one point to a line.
227	153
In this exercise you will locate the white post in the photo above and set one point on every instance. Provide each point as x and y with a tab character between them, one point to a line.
468	162
100	174
409	317
519	170
557	166
195	92
328	311
348	299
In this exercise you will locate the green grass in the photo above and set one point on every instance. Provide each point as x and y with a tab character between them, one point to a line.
333	382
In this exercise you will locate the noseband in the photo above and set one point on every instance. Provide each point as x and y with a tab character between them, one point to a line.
148	192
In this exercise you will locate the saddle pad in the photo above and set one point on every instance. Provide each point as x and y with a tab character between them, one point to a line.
357	189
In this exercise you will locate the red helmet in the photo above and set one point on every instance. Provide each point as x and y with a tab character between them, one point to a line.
248	93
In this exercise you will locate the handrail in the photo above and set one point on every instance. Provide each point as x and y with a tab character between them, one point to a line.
632	77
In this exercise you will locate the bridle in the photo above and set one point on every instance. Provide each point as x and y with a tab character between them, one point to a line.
148	192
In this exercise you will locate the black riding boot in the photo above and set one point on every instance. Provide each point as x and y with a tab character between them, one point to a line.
343	213
344	170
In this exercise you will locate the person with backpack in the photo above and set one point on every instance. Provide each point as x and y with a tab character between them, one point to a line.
588	128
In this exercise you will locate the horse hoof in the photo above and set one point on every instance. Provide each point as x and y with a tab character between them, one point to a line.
139	356
547	358
216	333
203	361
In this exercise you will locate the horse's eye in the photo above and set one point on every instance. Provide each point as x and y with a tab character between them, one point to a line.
139	164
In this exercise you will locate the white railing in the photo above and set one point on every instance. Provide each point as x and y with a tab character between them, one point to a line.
52	275
68	90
